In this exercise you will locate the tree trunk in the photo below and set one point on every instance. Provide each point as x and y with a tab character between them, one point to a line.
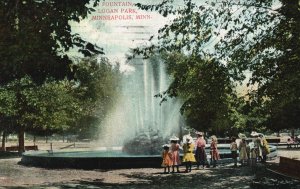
21	136
3	141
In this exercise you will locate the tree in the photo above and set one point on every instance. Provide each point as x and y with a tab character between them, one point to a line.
97	89
76	106
50	108
47	108
34	37
7	112
205	87
256	36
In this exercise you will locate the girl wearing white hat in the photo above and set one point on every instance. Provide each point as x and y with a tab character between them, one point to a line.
175	153
188	155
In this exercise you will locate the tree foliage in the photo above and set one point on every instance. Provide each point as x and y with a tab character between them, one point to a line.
98	85
205	87
35	34
34	38
40	108
260	37
75	107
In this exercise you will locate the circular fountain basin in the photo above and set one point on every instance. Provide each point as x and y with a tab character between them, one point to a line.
109	159
90	160
225	153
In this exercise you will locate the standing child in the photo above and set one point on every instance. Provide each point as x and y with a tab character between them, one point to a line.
257	146
167	158
253	156
265	148
175	153
188	155
200	150
243	151
234	148
214	150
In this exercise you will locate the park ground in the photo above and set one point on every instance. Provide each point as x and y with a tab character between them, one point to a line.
16	176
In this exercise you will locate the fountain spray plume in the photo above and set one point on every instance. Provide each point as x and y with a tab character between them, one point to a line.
138	115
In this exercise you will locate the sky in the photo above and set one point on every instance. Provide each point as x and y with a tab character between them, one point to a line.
118	26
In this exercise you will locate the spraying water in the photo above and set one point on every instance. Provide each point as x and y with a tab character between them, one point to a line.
138	112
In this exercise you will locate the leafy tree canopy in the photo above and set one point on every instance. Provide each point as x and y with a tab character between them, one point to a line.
96	88
35	34
257	36
47	107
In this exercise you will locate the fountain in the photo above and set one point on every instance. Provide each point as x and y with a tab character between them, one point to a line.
134	131
139	117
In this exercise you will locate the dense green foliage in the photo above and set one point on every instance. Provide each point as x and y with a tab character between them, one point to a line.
39	108
65	107
42	89
34	36
206	89
260	37
97	90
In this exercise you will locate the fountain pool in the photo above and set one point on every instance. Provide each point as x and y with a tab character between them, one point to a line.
109	159
98	159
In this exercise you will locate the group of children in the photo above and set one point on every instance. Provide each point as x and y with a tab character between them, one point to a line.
171	156
256	150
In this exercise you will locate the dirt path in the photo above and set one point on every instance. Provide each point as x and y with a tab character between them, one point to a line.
14	175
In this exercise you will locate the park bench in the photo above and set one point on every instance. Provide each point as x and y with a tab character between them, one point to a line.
284	144
16	148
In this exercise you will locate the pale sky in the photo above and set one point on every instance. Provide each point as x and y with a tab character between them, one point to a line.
118	36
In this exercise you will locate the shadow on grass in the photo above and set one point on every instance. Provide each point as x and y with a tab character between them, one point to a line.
243	177
223	177
211	178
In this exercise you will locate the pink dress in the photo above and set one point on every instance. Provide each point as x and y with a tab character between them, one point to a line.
214	151
200	150
175	154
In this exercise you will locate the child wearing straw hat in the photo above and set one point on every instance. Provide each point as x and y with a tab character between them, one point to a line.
175	153
188	155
